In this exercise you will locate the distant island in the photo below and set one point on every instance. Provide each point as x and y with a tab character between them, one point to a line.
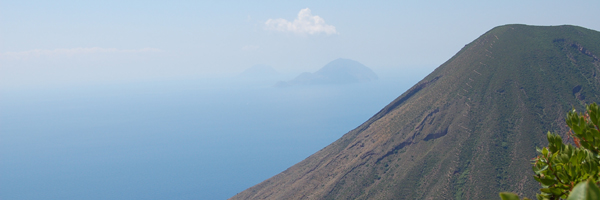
339	71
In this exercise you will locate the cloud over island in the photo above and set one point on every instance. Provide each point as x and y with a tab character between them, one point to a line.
306	23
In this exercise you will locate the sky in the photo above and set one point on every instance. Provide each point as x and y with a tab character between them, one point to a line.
64	43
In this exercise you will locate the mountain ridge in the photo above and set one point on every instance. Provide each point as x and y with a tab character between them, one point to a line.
466	131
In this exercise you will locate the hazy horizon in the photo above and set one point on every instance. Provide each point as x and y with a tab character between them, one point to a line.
143	99
62	43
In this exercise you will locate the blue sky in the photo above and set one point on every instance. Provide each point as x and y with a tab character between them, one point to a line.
82	42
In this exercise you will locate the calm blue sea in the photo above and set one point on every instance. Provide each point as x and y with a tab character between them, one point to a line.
171	139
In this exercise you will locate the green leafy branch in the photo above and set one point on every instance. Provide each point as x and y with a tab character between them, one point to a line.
565	171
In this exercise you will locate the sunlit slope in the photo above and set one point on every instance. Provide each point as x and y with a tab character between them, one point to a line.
466	131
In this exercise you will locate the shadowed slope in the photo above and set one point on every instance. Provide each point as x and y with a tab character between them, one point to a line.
466	131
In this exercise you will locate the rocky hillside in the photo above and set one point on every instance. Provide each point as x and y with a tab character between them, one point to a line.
466	131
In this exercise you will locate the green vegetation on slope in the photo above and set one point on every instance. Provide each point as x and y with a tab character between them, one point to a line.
566	171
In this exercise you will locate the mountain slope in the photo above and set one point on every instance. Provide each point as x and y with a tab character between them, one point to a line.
339	71
466	131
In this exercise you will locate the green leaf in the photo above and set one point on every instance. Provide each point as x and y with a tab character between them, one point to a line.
541	170
547	181
587	190
556	191
546	190
592	110
509	196
568	150
563	177
573	171
564	158
557	140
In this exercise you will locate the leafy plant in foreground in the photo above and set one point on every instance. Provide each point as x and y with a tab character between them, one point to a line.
566	171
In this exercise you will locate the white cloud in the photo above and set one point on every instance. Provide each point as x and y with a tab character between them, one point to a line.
70	52
306	23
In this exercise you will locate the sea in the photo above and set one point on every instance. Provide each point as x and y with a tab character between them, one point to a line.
176	139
